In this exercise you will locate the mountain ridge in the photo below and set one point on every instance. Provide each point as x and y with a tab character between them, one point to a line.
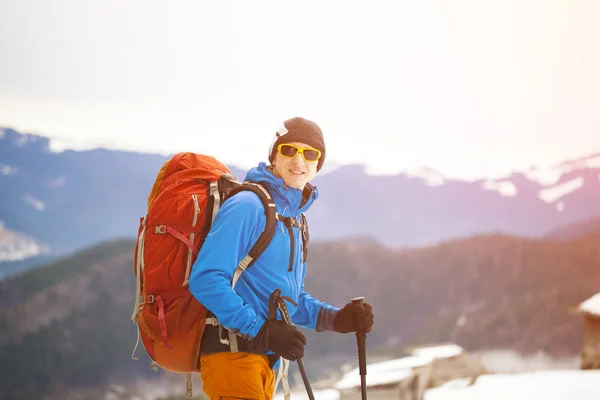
561	167
69	200
483	293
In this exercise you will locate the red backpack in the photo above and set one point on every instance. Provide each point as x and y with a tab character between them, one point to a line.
182	204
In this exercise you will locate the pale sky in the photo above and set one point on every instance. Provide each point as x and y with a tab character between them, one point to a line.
468	88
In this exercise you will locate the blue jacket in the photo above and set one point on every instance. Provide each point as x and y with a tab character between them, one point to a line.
237	225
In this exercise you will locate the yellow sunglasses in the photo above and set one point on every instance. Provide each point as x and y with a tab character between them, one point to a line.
308	153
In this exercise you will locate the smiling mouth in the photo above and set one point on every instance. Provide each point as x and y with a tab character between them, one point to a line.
297	173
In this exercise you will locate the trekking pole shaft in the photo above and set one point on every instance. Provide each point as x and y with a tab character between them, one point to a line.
362	363
361	340
288	320
309	390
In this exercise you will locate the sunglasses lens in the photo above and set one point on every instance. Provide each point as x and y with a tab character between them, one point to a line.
311	155
288	151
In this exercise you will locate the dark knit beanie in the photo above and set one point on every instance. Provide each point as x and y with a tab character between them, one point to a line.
299	130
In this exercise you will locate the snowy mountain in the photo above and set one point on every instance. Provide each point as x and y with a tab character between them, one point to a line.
58	202
421	207
16	246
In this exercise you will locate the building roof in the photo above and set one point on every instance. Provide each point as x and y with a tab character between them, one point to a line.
394	371
444	350
590	306
382	373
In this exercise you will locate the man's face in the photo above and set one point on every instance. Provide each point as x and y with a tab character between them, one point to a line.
296	172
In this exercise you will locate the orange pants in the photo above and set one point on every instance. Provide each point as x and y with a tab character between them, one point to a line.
236	376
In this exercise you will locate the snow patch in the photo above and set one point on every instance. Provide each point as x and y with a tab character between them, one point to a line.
550	176
33	202
505	188
60	145
551	194
544	177
16	246
7	170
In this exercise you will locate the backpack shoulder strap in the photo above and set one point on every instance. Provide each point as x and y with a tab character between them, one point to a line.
259	247
265	237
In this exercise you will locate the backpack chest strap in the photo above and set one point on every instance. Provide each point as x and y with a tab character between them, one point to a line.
289	221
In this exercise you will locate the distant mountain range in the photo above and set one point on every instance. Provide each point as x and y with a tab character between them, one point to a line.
55	203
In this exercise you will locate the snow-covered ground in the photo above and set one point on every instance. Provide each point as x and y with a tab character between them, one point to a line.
325	394
546	385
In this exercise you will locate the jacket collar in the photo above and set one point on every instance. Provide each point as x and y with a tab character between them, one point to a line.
290	201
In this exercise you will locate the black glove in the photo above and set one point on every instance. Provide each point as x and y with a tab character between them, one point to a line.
354	317
281	338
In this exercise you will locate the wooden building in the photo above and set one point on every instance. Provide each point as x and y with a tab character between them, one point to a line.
590	352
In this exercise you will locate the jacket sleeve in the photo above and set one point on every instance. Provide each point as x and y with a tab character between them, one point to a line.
312	313
236	227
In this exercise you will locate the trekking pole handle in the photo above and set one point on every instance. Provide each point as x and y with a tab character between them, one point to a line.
361	339
358	300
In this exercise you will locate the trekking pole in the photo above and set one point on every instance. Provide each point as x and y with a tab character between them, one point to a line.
361	339
286	317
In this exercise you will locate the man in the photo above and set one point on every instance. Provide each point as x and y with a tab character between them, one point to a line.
297	153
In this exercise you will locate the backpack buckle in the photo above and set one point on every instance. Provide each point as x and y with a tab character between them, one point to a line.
160	229
150	299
